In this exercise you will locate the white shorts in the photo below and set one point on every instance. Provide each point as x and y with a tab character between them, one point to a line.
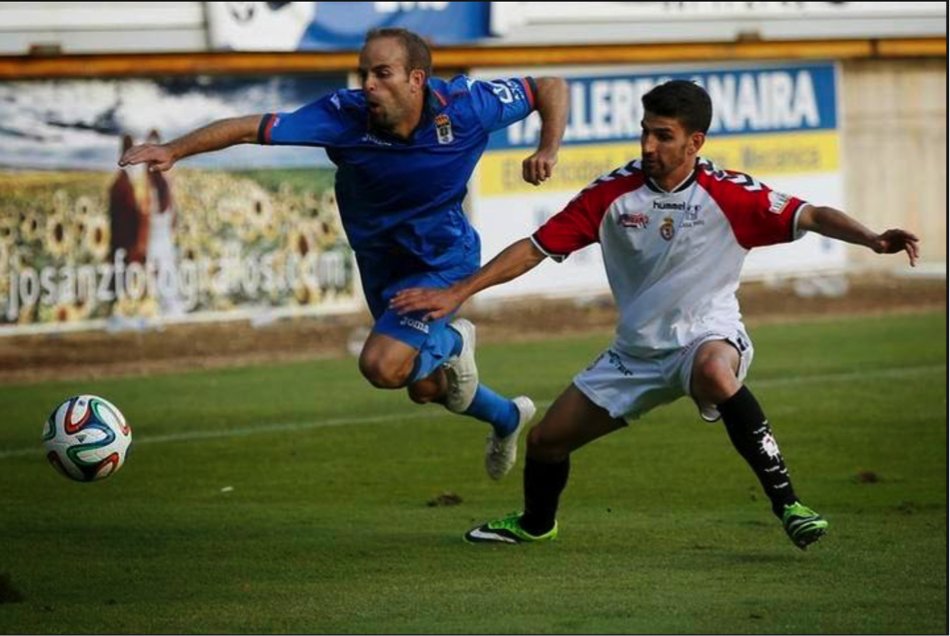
628	387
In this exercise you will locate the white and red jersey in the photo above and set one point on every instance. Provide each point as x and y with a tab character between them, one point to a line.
673	259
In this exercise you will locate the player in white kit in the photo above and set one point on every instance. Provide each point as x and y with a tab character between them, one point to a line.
674	231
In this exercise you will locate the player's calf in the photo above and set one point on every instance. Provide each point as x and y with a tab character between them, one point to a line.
430	389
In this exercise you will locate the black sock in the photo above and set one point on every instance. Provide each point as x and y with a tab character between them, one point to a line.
752	436
543	484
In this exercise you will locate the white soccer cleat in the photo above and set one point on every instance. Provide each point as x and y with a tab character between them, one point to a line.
501	453
461	371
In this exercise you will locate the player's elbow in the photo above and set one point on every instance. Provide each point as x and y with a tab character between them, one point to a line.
809	219
551	89
247	128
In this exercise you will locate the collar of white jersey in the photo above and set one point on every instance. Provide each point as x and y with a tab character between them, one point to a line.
685	183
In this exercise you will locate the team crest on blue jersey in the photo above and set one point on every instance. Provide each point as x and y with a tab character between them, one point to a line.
443	128
667	230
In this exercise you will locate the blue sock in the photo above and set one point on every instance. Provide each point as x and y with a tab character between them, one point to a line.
498	411
435	351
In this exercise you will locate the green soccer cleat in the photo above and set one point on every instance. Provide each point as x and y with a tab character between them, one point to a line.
803	525
507	530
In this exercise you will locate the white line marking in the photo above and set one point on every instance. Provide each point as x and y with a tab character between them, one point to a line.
189	436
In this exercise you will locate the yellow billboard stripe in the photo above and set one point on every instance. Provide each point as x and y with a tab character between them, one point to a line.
499	172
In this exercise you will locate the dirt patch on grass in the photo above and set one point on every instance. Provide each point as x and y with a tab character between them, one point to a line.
91	355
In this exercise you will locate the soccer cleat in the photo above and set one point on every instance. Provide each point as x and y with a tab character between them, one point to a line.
460	371
507	530
501	453
803	525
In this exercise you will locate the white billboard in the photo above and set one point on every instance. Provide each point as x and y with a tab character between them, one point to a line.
586	22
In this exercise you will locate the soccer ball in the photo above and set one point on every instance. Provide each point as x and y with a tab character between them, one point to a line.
86	438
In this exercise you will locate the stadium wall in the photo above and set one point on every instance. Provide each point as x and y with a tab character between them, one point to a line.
891	97
895	152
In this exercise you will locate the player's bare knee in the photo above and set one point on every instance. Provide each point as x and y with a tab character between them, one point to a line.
381	375
714	379
543	448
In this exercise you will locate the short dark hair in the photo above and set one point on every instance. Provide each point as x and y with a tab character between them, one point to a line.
418	55
682	100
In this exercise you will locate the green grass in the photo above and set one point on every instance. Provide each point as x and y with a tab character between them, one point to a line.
664	529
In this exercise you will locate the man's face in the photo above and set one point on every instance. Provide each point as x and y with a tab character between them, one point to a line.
391	91
665	145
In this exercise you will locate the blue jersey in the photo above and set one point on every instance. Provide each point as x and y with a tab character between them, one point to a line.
404	197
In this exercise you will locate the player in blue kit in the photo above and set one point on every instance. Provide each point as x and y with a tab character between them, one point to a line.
405	146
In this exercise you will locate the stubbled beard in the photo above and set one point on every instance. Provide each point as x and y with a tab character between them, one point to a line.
382	122
652	169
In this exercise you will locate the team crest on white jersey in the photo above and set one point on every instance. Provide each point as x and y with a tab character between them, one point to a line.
667	229
443	128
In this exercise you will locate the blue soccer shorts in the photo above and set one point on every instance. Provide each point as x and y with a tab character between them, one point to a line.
382	281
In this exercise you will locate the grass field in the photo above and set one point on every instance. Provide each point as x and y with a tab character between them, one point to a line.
326	527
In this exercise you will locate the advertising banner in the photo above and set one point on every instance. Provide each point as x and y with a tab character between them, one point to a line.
293	26
247	231
778	123
641	22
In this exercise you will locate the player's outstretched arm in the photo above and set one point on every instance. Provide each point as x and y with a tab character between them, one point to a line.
214	136
512	262
552	100
838	225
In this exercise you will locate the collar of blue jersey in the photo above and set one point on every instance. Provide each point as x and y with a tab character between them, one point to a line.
688	181
432	103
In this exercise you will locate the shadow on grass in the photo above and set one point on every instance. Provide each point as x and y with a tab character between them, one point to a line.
8	593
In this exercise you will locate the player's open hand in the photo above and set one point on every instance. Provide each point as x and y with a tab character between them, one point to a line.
894	241
439	303
539	167
158	157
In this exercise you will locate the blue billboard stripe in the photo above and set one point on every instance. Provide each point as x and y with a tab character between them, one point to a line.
746	101
343	25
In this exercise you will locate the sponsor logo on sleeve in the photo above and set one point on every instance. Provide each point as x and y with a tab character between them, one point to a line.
637	221
778	202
